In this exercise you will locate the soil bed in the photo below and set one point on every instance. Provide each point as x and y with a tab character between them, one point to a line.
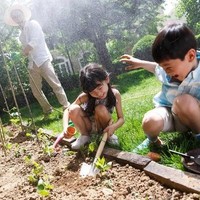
62	170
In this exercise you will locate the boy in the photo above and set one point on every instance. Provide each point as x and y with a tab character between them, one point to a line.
177	106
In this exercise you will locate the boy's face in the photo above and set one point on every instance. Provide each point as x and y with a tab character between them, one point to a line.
179	69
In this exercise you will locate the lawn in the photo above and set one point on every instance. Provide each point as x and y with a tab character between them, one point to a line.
137	89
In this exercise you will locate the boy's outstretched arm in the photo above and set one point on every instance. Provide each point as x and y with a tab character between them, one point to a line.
135	63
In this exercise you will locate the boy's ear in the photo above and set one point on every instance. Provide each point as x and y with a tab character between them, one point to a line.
191	55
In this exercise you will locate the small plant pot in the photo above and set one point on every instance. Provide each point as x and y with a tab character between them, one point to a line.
70	132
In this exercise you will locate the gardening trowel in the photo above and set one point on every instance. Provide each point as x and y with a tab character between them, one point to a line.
196	159
91	170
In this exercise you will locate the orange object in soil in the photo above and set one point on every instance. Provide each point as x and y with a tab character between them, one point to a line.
70	132
154	156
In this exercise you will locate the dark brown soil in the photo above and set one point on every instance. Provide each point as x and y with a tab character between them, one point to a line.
63	172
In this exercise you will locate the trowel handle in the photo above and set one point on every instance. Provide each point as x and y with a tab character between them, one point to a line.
101	146
180	154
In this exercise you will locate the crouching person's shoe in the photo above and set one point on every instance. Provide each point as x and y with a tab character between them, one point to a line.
197	137
80	141
113	140
148	143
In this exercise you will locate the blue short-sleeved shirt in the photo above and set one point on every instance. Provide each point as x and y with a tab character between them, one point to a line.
170	90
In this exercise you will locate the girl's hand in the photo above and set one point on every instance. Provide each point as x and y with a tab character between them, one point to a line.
110	130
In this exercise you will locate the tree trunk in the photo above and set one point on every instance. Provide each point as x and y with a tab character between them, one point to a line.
102	51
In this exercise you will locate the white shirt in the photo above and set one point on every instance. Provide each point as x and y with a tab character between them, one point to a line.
33	35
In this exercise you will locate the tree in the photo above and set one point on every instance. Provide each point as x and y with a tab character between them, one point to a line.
190	9
97	21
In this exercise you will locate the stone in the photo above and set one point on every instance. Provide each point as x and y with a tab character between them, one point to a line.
123	157
173	178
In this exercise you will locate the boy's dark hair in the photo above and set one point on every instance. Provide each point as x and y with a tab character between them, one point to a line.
91	77
173	42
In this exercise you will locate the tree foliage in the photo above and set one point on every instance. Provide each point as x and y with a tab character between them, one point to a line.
190	9
97	21
142	49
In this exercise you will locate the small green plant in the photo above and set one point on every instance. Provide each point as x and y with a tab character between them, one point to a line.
14	116
92	146
69	153
30	135
8	146
46	144
48	150
35	173
17	151
102	165
43	187
37	176
27	159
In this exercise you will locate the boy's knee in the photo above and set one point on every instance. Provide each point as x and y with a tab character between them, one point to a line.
182	99
147	121
152	123
184	104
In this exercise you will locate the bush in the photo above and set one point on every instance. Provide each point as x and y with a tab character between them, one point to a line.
142	49
198	41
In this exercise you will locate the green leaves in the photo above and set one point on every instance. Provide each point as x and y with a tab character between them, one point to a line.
43	188
102	165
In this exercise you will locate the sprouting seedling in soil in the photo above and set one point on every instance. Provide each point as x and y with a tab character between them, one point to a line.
46	144
95	139
14	116
28	159
102	165
36	170
30	135
48	150
8	146
43	187
69	153
17	151
92	146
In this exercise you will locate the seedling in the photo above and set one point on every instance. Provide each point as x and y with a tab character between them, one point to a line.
43	187
17	151
36	172
37	177
14	116
8	146
102	165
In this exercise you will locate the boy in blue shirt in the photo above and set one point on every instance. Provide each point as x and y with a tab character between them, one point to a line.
177	105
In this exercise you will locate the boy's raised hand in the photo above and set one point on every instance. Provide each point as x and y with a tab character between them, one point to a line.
135	63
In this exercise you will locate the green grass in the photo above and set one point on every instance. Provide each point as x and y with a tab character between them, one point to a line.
137	89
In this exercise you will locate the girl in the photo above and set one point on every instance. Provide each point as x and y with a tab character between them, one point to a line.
92	109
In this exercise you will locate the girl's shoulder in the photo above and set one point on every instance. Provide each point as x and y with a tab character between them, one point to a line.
115	91
82	98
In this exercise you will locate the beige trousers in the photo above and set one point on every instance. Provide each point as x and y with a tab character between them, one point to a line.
47	72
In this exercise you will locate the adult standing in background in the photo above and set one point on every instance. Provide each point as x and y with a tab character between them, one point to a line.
35	47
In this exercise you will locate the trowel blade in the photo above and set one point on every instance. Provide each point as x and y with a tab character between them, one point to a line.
88	170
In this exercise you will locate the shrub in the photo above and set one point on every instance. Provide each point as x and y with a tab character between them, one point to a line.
142	49
198	40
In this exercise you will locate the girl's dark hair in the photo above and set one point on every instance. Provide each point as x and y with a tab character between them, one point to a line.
173	42
91	77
